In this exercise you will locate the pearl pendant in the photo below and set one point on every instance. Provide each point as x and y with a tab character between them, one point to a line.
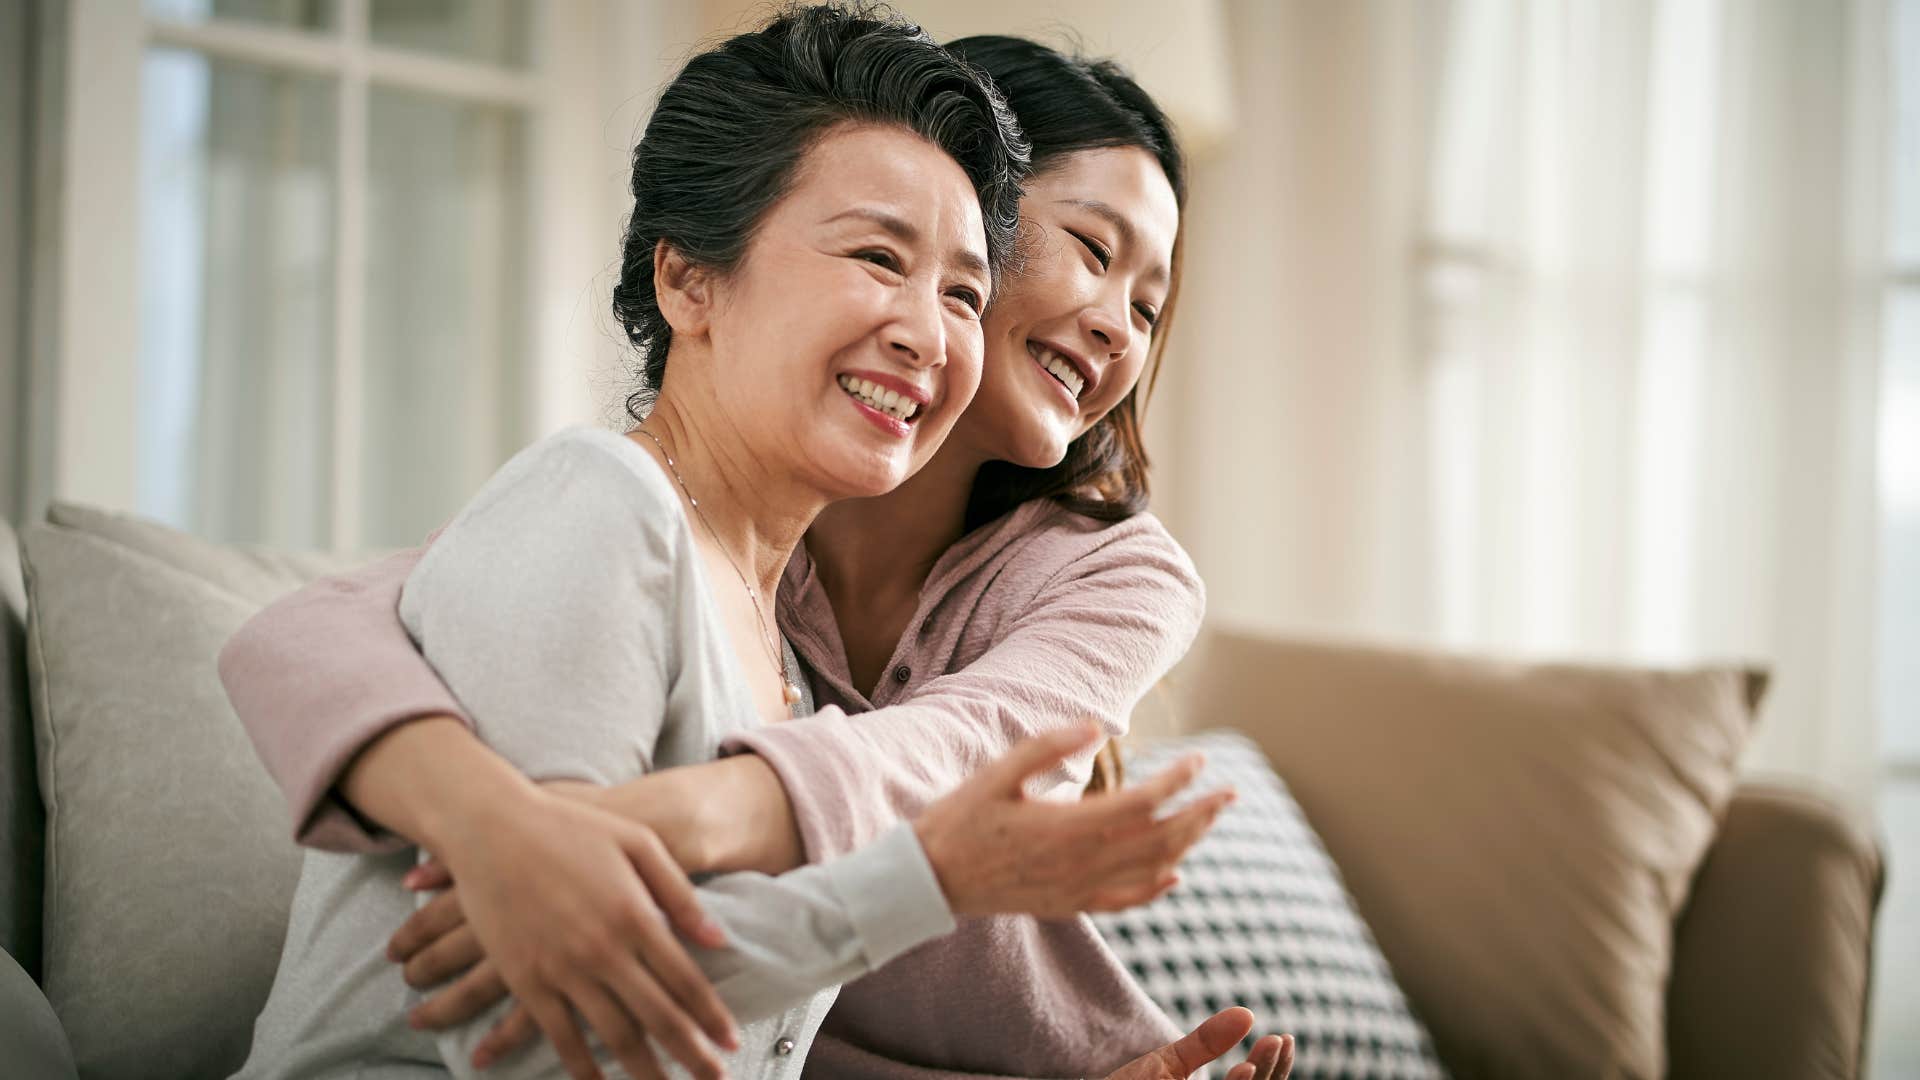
790	693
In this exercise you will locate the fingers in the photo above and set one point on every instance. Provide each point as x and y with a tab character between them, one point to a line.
672	890
507	1036
1242	1071
1284	1067
435	919
472	994
623	1039
1133	808
642	998
429	875
1036	754
1216	1035
555	1021
444	959
693	998
1272	1058
1142	867
1172	780
1265	1057
1151	852
1120	898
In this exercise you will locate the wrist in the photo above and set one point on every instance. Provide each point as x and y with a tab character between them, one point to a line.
479	808
726	815
933	846
771	842
434	782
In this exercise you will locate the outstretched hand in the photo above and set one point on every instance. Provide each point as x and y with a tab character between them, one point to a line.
998	851
1271	1059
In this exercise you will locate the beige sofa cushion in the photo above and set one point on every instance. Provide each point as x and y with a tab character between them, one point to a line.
1519	837
167	866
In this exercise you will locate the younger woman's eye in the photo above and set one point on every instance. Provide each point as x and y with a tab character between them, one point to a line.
1148	314
1100	253
879	257
970	298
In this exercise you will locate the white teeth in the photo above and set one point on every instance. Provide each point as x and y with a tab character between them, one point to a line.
1060	368
891	402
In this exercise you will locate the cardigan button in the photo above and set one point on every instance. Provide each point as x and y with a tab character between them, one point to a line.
783	1047
902	673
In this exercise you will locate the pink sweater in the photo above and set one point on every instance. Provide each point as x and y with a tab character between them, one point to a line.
1037	619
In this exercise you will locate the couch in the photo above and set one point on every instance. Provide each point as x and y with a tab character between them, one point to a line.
105	975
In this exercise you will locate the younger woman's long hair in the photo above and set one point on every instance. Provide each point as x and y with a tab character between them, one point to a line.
1067	104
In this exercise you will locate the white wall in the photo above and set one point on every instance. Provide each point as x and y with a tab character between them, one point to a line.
1278	457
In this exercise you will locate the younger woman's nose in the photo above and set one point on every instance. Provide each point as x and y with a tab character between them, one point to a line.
1110	334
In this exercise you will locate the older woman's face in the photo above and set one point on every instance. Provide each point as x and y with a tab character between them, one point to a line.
1068	337
849	340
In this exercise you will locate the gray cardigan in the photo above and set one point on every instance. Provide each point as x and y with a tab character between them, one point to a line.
567	609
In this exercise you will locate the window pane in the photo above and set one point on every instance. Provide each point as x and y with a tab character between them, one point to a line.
1904	233
1900	538
237	210
301	14
489	31
445	337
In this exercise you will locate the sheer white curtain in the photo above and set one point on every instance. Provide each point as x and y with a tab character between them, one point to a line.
1548	328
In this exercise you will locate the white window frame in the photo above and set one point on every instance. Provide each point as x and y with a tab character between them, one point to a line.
93	285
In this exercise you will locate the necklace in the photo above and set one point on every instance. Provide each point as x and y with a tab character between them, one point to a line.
789	693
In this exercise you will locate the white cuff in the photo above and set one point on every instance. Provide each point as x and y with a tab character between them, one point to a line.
891	895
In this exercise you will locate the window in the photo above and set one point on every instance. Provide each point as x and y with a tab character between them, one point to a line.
306	252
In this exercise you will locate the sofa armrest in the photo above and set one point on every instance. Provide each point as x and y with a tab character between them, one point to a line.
1772	966
32	1042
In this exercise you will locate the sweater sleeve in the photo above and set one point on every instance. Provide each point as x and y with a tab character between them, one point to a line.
320	674
1088	646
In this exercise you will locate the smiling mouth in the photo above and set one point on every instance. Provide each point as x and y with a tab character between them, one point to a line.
880	399
1059	367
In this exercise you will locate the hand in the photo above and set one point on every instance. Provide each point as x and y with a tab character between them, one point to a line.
996	851
435	944
566	902
1272	1057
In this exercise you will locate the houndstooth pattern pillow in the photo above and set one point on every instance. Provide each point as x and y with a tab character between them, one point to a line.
1261	919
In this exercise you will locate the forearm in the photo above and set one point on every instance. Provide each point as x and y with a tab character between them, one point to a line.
1085	648
425	778
791	935
716	817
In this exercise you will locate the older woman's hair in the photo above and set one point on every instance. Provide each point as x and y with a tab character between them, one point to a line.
729	131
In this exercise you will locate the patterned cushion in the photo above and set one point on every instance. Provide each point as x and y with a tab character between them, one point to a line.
1260	918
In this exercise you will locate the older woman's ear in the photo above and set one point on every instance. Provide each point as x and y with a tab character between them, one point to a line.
683	290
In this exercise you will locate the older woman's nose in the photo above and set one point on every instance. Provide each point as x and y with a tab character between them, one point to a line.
918	333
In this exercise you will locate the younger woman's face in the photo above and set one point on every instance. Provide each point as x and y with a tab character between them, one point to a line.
848	340
1068	335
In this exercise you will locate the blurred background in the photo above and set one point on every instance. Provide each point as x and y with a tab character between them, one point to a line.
1570	329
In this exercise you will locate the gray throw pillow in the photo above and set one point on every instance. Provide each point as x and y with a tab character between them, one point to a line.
168	871
1261	919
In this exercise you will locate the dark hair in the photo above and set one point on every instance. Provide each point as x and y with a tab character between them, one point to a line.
729	131
1067	104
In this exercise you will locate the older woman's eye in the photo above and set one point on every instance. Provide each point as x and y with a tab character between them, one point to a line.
879	257
970	297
